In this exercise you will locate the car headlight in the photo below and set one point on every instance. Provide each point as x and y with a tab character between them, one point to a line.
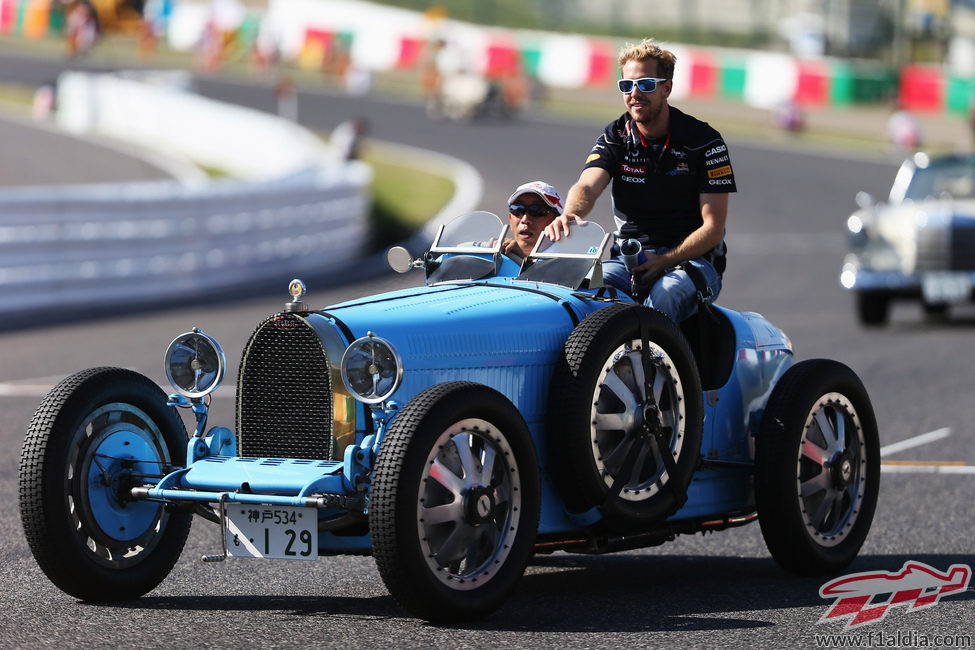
848	276
372	369
195	363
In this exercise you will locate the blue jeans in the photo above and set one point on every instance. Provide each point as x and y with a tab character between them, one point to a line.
674	293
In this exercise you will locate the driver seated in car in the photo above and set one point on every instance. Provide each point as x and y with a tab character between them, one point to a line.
531	207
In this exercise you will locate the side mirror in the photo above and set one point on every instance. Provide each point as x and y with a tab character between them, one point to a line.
399	259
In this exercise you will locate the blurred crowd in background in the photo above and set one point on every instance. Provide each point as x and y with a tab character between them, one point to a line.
494	56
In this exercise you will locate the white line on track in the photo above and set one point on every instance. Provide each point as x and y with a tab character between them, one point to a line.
916	441
922	467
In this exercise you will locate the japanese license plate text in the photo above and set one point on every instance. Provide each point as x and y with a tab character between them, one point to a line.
282	532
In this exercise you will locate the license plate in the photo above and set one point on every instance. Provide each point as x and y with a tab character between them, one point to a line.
280	532
946	287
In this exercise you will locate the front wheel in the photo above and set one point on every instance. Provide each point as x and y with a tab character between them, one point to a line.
873	308
817	468
97	434
455	502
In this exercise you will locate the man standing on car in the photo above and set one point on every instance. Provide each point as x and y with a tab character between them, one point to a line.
671	177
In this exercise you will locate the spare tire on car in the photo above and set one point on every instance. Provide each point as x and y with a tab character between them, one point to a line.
625	388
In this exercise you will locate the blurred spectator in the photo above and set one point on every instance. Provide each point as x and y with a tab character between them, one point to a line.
266	51
80	28
209	49
155	17
347	137
286	96
226	17
903	131
430	77
358	80
971	116
514	88
45	102
788	117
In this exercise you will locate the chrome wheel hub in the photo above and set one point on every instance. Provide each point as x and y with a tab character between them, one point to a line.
831	469
469	504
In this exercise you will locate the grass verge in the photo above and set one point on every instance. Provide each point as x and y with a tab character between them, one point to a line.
404	197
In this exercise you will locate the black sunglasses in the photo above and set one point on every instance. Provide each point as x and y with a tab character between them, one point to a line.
646	84
535	210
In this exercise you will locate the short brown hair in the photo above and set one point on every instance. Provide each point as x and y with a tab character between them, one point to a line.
645	51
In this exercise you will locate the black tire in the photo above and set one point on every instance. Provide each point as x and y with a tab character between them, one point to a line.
86	536
817	468
872	308
935	312
587	456
486	525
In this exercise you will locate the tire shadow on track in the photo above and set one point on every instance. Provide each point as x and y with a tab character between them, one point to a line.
676	593
619	593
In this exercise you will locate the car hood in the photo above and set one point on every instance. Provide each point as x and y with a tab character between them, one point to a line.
894	232
912	214
480	320
474	331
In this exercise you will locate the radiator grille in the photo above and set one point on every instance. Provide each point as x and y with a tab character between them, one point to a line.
962	244
949	247
284	396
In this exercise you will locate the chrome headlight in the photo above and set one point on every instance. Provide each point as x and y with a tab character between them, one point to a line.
372	369
195	363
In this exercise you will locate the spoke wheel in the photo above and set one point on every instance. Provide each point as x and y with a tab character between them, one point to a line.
455	502
817	468
603	416
618	404
95	436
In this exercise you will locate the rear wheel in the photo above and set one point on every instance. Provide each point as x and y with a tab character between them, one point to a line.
935	311
94	437
817	470
455	502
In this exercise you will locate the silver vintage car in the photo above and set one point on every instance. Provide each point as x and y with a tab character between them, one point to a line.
920	245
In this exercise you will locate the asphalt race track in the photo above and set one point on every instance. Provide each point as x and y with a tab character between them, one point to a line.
786	244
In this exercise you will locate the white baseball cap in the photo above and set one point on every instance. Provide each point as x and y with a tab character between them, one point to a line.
545	191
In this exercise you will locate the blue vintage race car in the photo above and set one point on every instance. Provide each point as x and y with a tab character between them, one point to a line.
452	431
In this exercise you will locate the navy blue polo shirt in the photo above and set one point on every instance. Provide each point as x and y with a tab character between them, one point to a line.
657	184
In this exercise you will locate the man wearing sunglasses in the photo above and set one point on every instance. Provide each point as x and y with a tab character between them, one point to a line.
671	177
531	207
